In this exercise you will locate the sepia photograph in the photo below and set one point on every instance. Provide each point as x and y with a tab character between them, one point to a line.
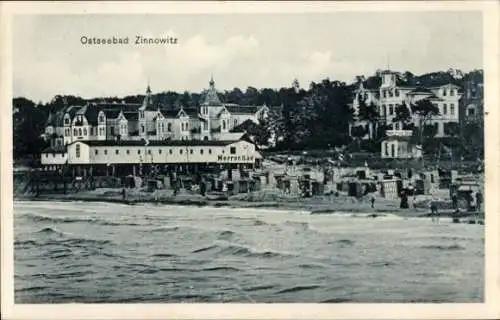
262	157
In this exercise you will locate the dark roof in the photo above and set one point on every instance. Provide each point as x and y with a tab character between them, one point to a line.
192	112
242	109
421	90
91	114
169	113
55	149
112	114
156	143
72	110
131	116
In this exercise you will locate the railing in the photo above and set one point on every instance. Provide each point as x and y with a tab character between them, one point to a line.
399	133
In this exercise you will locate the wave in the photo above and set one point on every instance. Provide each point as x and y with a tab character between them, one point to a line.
220	269
41	218
258	288
237	250
343	242
164	228
299	288
204	249
225	235
25	243
164	255
50	231
443	247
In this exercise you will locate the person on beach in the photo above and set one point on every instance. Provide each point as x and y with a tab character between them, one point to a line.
479	200
404	200
372	200
434	212
454	200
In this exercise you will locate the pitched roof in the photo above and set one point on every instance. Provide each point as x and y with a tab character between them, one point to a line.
131	116
169	113
242	109
112	114
211	96
55	149
156	143
192	112
421	90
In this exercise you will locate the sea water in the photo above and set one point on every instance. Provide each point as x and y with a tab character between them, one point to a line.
86	252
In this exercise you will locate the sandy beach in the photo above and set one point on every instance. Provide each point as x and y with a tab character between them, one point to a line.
328	204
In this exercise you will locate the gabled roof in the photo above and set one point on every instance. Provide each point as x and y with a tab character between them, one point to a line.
211	97
421	90
55	149
192	112
157	143
169	113
112	114
242	109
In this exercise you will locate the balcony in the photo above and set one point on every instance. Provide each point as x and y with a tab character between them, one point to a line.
399	133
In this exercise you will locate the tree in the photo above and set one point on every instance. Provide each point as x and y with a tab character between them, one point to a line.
258	132
402	113
425	110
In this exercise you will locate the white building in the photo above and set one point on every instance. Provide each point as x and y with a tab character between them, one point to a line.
212	120
389	93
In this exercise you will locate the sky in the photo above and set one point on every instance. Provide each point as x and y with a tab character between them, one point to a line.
239	50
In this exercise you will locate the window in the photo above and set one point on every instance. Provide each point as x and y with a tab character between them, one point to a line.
444	92
232	150
170	151
80	132
396	92
186	126
128	151
142	128
117	151
445	108
66	121
84	131
101	118
384	94
201	151
235	122
46	155
191	151
452	92
209	151
169	127
141	114
159	151
96	152
391	109
162	127
472	111
223	124
180	151
105	152
205	125
149	151
78	151
452	109
139	151
92	131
